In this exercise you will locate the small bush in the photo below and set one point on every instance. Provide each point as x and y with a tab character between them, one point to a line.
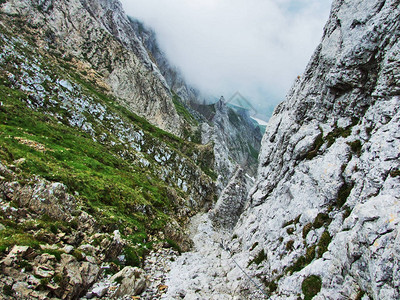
319	141
323	243
254	246
310	254
78	254
356	147
261	256
290	230
132	259
395	173
343	194
297	265
289	245
321	220
7	290
26	265
311	286
306	229
272	286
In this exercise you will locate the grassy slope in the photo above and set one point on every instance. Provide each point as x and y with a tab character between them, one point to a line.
117	192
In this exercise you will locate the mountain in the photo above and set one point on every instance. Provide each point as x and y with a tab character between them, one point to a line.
323	217
101	160
98	35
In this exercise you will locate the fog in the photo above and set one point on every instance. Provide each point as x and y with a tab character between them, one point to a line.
256	47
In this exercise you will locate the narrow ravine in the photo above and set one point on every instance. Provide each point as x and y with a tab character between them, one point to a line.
208	271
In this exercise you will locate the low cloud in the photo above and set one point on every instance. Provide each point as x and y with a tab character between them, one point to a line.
257	47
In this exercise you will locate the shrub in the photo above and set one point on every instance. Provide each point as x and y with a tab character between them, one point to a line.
261	256
356	147
323	243
290	230
311	286
343	193
321	220
306	229
297	265
310	254
7	290
131	257
289	245
395	173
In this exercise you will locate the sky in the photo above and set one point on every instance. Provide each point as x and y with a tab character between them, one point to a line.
255	47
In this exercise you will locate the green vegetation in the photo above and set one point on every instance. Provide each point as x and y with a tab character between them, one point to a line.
294	221
321	220
290	230
343	194
319	141
7	290
395	173
310	254
306	229
323	243
111	187
261	256
254	246
289	245
182	111
298	265
311	286
360	295
356	147
336	133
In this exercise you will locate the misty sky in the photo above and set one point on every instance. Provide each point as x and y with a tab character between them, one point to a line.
256	47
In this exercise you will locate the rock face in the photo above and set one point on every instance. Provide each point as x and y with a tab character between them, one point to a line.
231	202
99	33
236	141
171	73
324	214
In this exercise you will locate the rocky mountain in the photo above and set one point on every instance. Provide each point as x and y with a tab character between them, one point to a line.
323	218
236	141
101	160
322	221
171	73
99	36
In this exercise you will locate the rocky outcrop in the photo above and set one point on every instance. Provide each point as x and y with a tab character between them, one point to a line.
236	140
171	73
99	34
231	202
324	215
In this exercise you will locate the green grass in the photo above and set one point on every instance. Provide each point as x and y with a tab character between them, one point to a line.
261	256
323	243
182	111
311	286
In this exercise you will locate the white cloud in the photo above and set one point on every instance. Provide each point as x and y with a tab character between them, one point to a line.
255	46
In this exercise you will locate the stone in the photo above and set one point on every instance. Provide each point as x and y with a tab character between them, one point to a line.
231	202
133	282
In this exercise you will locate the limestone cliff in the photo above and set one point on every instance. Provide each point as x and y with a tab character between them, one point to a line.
323	218
171	73
236	140
98	33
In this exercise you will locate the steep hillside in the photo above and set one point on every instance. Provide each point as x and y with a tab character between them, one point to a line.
235	138
86	186
99	35
322	221
171	73
323	218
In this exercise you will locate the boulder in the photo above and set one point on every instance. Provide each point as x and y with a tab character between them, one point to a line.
133	282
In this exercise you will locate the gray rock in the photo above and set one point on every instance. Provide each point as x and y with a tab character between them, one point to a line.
133	282
231	203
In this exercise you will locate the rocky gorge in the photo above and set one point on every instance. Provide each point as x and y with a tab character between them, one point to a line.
113	185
